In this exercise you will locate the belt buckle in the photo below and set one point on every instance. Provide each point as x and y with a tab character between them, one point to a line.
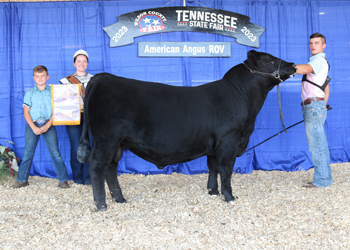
41	121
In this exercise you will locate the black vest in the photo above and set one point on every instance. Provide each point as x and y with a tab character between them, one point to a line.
323	87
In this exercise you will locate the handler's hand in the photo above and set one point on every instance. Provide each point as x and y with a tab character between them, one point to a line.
44	129
37	131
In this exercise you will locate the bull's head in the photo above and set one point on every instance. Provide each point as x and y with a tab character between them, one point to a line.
267	65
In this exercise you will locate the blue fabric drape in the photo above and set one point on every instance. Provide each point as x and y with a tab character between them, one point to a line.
49	33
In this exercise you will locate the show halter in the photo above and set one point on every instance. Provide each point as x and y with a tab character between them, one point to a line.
275	74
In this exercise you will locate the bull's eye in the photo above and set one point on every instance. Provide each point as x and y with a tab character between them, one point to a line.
269	62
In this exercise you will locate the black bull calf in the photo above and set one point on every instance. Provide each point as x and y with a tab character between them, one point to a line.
166	124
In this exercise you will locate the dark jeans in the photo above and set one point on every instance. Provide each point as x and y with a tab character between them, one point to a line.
81	173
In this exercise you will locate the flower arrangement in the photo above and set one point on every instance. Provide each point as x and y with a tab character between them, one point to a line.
8	159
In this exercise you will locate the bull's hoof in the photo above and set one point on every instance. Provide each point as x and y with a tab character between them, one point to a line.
213	192
102	208
120	200
229	199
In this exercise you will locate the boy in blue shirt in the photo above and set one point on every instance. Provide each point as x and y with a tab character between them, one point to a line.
37	112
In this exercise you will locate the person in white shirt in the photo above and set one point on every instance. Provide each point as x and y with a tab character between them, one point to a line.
81	174
315	93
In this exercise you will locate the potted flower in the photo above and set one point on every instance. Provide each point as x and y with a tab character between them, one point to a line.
8	159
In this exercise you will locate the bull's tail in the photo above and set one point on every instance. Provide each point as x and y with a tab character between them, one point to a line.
84	148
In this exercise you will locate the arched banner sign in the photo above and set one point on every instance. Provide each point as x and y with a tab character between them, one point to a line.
171	19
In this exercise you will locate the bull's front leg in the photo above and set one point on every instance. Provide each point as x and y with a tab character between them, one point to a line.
225	176
213	176
226	158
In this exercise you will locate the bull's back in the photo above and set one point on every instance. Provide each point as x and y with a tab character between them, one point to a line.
152	119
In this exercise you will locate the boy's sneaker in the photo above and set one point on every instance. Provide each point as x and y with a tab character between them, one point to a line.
63	184
20	184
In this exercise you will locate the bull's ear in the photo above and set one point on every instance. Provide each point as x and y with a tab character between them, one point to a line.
251	53
252	61
252	57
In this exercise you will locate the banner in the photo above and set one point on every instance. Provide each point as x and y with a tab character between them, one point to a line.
171	19
184	49
66	104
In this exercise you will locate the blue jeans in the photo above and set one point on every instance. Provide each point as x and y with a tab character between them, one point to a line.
81	173
51	142
315	115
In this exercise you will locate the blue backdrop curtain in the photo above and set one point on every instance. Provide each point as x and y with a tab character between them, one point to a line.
49	33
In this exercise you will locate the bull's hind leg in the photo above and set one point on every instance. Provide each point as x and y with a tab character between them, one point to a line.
112	178
97	173
101	168
213	176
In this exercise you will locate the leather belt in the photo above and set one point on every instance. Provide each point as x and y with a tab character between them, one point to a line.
309	100
41	121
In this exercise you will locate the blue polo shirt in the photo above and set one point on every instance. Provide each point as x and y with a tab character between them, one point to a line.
39	103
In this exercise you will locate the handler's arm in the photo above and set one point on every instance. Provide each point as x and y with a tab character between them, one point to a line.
28	119
326	93
303	69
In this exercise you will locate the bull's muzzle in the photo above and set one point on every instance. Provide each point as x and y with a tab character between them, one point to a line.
295	66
